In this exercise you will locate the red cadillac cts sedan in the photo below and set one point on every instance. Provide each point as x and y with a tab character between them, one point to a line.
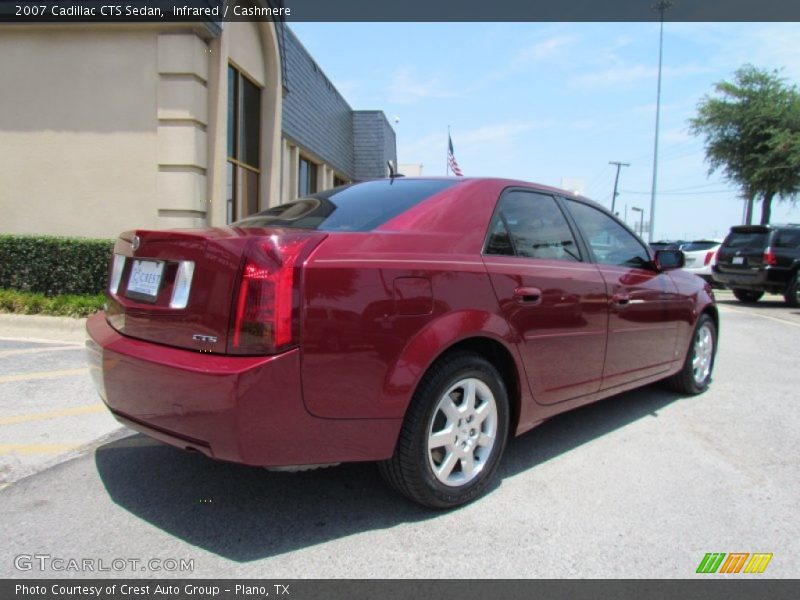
414	322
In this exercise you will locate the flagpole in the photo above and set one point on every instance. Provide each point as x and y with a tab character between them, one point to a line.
447	155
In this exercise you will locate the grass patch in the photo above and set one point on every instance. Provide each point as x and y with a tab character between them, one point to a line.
66	305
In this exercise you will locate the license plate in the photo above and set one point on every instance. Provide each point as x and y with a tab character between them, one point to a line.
145	280
737	260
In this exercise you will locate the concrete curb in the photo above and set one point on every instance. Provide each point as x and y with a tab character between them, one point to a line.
41	327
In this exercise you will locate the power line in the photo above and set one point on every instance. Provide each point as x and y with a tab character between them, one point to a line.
691	187
681	193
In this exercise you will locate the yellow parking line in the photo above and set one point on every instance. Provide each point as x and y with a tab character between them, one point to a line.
42	375
53	414
755	314
4	353
36	448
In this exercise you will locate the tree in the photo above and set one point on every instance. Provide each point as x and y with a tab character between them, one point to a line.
752	133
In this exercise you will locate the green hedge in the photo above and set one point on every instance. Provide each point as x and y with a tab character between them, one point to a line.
54	266
28	303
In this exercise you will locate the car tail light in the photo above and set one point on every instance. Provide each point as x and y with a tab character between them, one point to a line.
709	257
265	318
769	257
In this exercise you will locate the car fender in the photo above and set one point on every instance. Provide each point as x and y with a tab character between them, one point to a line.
434	340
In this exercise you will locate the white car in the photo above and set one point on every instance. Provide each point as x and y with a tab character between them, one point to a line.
700	256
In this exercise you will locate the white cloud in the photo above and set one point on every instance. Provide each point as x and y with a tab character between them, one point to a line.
583	124
676	136
498	132
474	148
627	75
405	88
546	48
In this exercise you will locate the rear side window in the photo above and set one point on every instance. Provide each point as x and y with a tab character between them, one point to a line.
753	240
359	207
531	225
788	238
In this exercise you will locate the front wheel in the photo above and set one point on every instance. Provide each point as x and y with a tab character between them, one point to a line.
453	435
695	376
748	296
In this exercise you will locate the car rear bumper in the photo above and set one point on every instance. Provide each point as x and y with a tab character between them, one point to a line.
765	279
241	409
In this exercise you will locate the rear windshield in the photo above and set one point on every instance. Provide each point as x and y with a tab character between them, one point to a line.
697	246
746	239
358	207
664	246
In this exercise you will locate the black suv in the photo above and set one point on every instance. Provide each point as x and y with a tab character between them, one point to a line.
755	259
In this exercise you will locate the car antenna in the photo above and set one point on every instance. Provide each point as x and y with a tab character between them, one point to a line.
392	173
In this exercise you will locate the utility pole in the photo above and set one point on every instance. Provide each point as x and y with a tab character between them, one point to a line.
661	6
616	181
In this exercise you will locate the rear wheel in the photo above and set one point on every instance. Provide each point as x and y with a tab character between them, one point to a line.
695	376
792	294
453	435
747	295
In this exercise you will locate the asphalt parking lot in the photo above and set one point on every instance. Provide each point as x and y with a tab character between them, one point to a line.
641	485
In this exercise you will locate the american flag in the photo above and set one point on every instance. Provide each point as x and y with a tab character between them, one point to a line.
451	159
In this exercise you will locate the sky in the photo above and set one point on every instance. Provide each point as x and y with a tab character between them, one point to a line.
549	102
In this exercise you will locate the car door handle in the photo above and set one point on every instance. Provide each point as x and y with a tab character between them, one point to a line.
528	295
621	300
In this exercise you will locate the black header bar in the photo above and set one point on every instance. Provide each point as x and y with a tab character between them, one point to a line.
398	589
156	11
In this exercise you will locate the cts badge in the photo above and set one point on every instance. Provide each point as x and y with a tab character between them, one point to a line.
208	339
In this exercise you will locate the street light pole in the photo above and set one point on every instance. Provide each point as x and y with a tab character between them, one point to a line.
661	6
616	181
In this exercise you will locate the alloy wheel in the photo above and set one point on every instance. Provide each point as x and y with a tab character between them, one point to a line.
462	432
703	353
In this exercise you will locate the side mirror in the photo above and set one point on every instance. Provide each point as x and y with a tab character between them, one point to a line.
669	259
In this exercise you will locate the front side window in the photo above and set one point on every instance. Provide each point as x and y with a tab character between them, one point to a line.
532	225
610	242
244	145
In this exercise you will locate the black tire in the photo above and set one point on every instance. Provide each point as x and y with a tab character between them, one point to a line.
685	380
748	296
411	469
792	293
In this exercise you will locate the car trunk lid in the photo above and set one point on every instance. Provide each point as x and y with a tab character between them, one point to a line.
181	287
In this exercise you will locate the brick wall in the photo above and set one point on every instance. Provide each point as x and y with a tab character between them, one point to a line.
318	119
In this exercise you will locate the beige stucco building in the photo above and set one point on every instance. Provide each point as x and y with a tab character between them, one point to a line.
105	128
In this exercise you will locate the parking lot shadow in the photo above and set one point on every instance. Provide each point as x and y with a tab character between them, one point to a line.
247	513
577	427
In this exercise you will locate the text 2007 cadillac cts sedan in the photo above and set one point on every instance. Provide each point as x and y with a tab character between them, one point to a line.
414	322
